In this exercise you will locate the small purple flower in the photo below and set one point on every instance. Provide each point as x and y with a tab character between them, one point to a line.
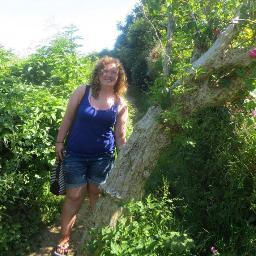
214	251
254	113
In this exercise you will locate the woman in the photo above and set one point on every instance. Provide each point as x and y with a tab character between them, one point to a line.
93	125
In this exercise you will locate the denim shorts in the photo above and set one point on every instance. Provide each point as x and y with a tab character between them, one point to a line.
83	169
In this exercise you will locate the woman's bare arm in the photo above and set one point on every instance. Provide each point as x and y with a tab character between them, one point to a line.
120	126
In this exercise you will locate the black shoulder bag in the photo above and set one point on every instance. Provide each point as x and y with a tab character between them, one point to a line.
57	182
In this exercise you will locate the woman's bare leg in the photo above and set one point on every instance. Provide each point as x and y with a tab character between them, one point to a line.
72	204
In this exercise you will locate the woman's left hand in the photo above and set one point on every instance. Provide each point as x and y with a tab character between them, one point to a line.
59	149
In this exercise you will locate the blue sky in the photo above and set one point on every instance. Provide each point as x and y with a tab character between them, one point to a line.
25	24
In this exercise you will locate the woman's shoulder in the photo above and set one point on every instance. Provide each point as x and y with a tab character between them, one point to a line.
122	104
82	88
79	89
79	92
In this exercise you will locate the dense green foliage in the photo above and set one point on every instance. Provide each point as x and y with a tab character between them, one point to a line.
33	96
133	47
148	229
212	167
142	40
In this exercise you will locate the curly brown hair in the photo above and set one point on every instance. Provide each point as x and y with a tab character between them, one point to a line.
121	83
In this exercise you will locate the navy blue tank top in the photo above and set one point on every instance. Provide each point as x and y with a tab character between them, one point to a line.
92	131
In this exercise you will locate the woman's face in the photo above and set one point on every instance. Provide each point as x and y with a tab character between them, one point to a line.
108	75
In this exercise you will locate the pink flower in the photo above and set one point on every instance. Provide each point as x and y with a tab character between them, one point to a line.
214	251
252	53
254	113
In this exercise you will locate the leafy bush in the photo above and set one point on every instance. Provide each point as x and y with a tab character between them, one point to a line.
23	203
212	166
55	64
32	104
29	119
148	228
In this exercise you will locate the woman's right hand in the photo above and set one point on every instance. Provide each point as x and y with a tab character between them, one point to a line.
59	149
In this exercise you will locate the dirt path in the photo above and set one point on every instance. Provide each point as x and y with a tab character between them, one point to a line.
50	236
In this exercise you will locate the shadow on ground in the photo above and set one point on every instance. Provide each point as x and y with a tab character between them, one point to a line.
50	236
